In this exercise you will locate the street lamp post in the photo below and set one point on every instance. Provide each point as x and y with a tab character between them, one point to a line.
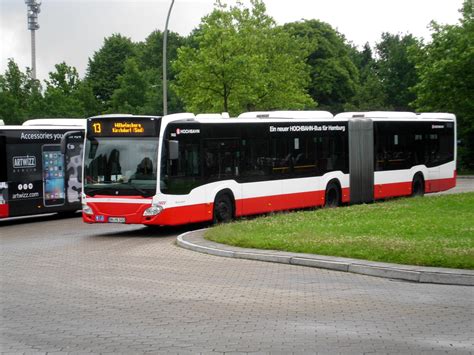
165	80
33	25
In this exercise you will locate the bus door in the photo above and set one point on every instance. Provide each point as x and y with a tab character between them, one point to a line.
361	160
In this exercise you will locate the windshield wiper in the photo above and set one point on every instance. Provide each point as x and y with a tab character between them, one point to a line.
95	190
110	190
144	193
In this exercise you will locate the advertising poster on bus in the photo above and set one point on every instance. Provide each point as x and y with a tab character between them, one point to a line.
39	177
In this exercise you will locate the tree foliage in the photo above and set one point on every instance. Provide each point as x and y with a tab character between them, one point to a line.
60	96
16	93
240	60
333	74
396	70
446	71
130	96
106	65
369	95
150	62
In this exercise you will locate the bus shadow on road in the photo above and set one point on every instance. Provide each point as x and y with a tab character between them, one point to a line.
11	221
151	231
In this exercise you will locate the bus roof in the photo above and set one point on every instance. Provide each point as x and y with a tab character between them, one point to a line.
120	115
396	115
39	128
74	122
287	114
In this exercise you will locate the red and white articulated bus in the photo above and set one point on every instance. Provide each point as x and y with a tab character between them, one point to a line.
186	168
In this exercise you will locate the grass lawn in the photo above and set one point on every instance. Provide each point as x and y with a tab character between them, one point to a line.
428	231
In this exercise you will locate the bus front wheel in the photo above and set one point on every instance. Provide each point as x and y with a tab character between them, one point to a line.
223	209
418	186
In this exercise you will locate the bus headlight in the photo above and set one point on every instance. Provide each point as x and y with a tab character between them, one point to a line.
152	211
87	210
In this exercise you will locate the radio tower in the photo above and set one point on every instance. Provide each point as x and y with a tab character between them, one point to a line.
33	11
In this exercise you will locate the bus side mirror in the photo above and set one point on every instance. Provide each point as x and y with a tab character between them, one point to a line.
65	138
173	150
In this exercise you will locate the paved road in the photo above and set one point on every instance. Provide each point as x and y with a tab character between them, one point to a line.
67	287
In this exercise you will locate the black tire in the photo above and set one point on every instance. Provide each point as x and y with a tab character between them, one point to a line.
223	209
418	186
333	195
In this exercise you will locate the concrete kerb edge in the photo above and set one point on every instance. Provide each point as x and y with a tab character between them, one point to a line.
385	270
200	248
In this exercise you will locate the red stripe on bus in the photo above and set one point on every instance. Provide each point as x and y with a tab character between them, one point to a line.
4	210
405	188
392	190
440	184
133	213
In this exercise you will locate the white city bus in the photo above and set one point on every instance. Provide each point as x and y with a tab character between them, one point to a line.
186	168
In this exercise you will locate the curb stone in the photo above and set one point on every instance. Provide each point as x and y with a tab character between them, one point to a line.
195	241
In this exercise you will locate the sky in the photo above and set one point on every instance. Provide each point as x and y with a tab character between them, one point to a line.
72	30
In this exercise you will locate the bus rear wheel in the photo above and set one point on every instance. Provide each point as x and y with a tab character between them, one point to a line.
333	195
223	209
418	186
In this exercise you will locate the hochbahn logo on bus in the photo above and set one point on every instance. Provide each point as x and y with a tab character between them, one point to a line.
187	131
23	162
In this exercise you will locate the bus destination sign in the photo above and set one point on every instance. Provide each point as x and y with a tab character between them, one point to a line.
122	127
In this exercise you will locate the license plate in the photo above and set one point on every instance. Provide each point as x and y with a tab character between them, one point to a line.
116	220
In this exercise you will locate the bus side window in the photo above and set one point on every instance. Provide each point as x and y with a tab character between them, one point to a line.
304	160
180	176
434	156
255	161
329	150
281	158
188	161
446	147
221	158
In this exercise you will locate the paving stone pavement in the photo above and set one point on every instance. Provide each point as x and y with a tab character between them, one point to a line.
67	287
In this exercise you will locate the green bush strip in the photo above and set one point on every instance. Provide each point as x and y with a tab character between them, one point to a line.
430	231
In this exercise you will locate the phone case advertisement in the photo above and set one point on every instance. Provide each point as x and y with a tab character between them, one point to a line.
40	178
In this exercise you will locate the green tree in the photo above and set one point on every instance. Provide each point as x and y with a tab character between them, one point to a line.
150	61
240	60
130	96
35	102
396	70
85	94
334	76
15	91
446	71
369	93
106	65
60	96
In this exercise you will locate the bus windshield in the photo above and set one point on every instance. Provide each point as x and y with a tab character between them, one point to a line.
120	166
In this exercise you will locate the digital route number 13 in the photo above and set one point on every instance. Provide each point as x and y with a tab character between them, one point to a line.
97	127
